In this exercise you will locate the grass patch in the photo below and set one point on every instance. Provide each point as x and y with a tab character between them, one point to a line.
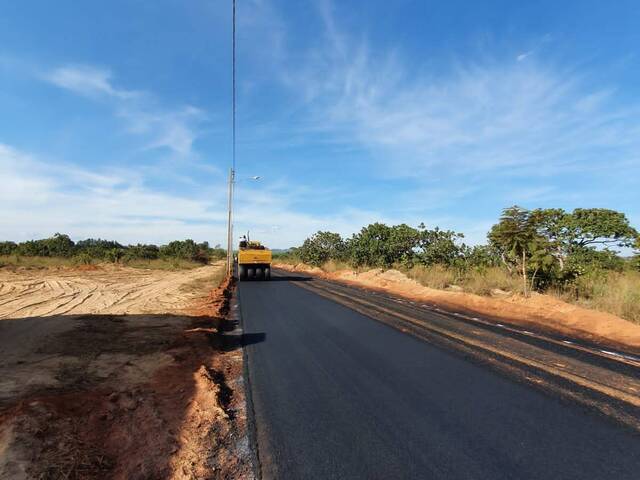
612	292
163	264
206	284
169	264
35	262
478	281
285	259
335	265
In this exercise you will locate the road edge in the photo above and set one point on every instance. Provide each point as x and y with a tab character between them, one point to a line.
252	430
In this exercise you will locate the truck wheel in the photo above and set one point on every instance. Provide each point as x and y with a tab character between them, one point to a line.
251	273
267	273
242	272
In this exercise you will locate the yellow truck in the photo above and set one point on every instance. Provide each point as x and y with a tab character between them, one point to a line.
254	261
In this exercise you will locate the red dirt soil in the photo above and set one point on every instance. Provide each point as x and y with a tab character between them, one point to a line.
185	422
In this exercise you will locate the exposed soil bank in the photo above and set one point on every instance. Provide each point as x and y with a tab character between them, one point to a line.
125	395
539	311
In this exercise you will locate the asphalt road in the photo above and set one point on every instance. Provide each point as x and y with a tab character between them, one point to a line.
336	394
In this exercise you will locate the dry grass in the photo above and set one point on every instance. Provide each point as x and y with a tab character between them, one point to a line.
285	259
612	292
480	282
58	262
206	284
34	262
163	264
334	266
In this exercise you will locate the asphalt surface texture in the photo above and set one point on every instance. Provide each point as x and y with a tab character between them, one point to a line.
336	394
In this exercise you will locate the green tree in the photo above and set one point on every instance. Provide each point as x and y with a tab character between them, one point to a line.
636	258
482	256
7	248
143	251
321	247
516	238
379	245
57	246
187	250
98	248
440	246
584	228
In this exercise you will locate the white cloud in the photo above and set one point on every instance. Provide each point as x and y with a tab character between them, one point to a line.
87	80
523	56
175	129
42	197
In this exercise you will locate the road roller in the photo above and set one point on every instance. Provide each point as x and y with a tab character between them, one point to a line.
254	261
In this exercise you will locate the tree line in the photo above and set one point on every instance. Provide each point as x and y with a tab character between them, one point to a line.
61	246
546	247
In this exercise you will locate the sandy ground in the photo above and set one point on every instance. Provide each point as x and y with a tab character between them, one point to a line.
118	373
102	290
538	311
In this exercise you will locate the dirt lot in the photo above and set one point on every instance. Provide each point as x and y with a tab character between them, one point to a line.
118	373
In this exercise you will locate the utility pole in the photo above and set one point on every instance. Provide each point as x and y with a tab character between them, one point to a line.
232	170
230	224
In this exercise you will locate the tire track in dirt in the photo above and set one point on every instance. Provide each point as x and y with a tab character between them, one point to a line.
108	290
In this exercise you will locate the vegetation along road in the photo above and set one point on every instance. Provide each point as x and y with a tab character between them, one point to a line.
349	383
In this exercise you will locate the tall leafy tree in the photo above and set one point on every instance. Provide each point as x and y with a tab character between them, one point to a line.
636	258
516	238
440	246
380	245
569	234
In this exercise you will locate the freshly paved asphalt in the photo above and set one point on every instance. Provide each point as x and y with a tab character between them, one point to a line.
338	395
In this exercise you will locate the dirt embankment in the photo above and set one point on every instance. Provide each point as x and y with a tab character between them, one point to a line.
116	373
539	311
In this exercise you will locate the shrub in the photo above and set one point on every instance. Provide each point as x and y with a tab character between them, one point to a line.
186	250
82	258
321	247
8	248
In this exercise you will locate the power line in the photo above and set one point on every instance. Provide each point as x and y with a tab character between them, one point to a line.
232	171
233	83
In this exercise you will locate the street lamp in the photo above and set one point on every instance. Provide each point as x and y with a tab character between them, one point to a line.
232	182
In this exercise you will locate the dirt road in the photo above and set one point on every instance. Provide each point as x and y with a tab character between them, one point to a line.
114	373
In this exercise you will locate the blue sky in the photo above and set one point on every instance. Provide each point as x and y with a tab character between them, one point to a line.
115	115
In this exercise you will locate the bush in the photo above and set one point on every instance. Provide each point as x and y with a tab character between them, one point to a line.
321	247
440	247
82	258
187	250
61	246
8	248
98	248
378	245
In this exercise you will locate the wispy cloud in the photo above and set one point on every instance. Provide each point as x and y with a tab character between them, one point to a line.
175	129
45	197
88	80
475	116
523	56
52	196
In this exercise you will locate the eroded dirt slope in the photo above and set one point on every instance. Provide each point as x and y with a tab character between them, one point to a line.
118	373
